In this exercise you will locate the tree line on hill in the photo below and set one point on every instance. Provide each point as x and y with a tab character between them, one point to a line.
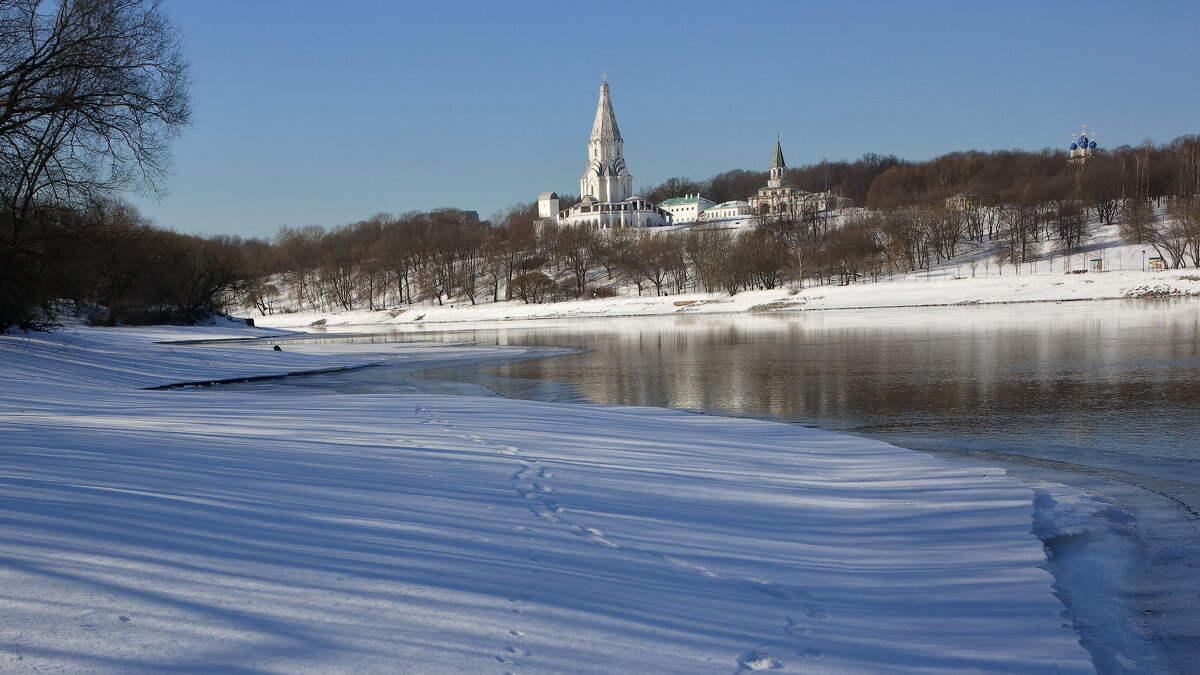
120	269
917	214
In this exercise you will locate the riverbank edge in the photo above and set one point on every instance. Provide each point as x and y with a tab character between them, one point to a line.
1015	289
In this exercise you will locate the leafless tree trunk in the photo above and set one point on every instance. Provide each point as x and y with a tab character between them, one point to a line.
91	93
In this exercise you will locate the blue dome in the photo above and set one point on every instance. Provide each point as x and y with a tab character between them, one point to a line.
1092	144
1083	141
1074	147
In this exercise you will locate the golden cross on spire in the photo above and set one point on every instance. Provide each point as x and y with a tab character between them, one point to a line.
604	76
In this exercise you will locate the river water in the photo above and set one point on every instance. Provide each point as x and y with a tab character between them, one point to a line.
1114	385
1104	396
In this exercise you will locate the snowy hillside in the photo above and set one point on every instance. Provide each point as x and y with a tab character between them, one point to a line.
913	291
972	277
206	530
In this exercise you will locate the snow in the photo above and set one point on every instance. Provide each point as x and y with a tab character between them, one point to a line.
202	529
939	288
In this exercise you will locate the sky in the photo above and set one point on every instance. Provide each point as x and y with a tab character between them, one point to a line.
325	113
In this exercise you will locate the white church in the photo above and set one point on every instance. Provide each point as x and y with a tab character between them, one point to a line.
606	187
607	199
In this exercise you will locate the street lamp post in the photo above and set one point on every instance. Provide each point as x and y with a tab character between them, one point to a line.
1143	261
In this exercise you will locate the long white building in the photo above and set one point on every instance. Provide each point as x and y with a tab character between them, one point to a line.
687	209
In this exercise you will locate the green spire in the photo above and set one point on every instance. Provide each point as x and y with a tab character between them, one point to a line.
778	162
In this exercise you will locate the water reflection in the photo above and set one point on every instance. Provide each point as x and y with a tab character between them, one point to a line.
1114	384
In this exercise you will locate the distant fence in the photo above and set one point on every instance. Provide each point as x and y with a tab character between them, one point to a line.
1078	263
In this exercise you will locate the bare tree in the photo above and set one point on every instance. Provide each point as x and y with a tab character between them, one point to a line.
1184	214
91	94
1136	220
575	253
532	286
764	258
1072	227
1170	239
1100	186
708	251
649	260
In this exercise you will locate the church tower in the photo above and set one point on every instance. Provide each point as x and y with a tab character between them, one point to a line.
1083	148
778	168
606	178
606	188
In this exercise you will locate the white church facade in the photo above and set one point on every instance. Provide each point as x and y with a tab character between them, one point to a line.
606	187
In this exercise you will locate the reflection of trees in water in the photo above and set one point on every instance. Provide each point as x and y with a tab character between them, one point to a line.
1055	372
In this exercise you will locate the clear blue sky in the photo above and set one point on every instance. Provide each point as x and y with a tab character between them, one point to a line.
318	112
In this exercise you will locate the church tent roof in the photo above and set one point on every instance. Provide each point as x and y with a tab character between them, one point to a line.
605	126
778	162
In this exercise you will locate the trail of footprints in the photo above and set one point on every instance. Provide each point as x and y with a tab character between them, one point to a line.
530	482
513	654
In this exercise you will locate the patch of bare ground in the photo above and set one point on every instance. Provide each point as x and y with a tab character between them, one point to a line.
778	305
1160	290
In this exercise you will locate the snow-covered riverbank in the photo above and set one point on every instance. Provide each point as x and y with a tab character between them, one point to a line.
206	530
912	291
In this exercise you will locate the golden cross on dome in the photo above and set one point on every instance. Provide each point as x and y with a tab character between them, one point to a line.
604	76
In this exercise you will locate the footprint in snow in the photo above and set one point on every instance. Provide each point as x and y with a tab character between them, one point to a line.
757	659
793	628
592	534
816	613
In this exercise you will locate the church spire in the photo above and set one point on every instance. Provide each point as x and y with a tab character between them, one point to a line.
778	167
605	126
606	177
